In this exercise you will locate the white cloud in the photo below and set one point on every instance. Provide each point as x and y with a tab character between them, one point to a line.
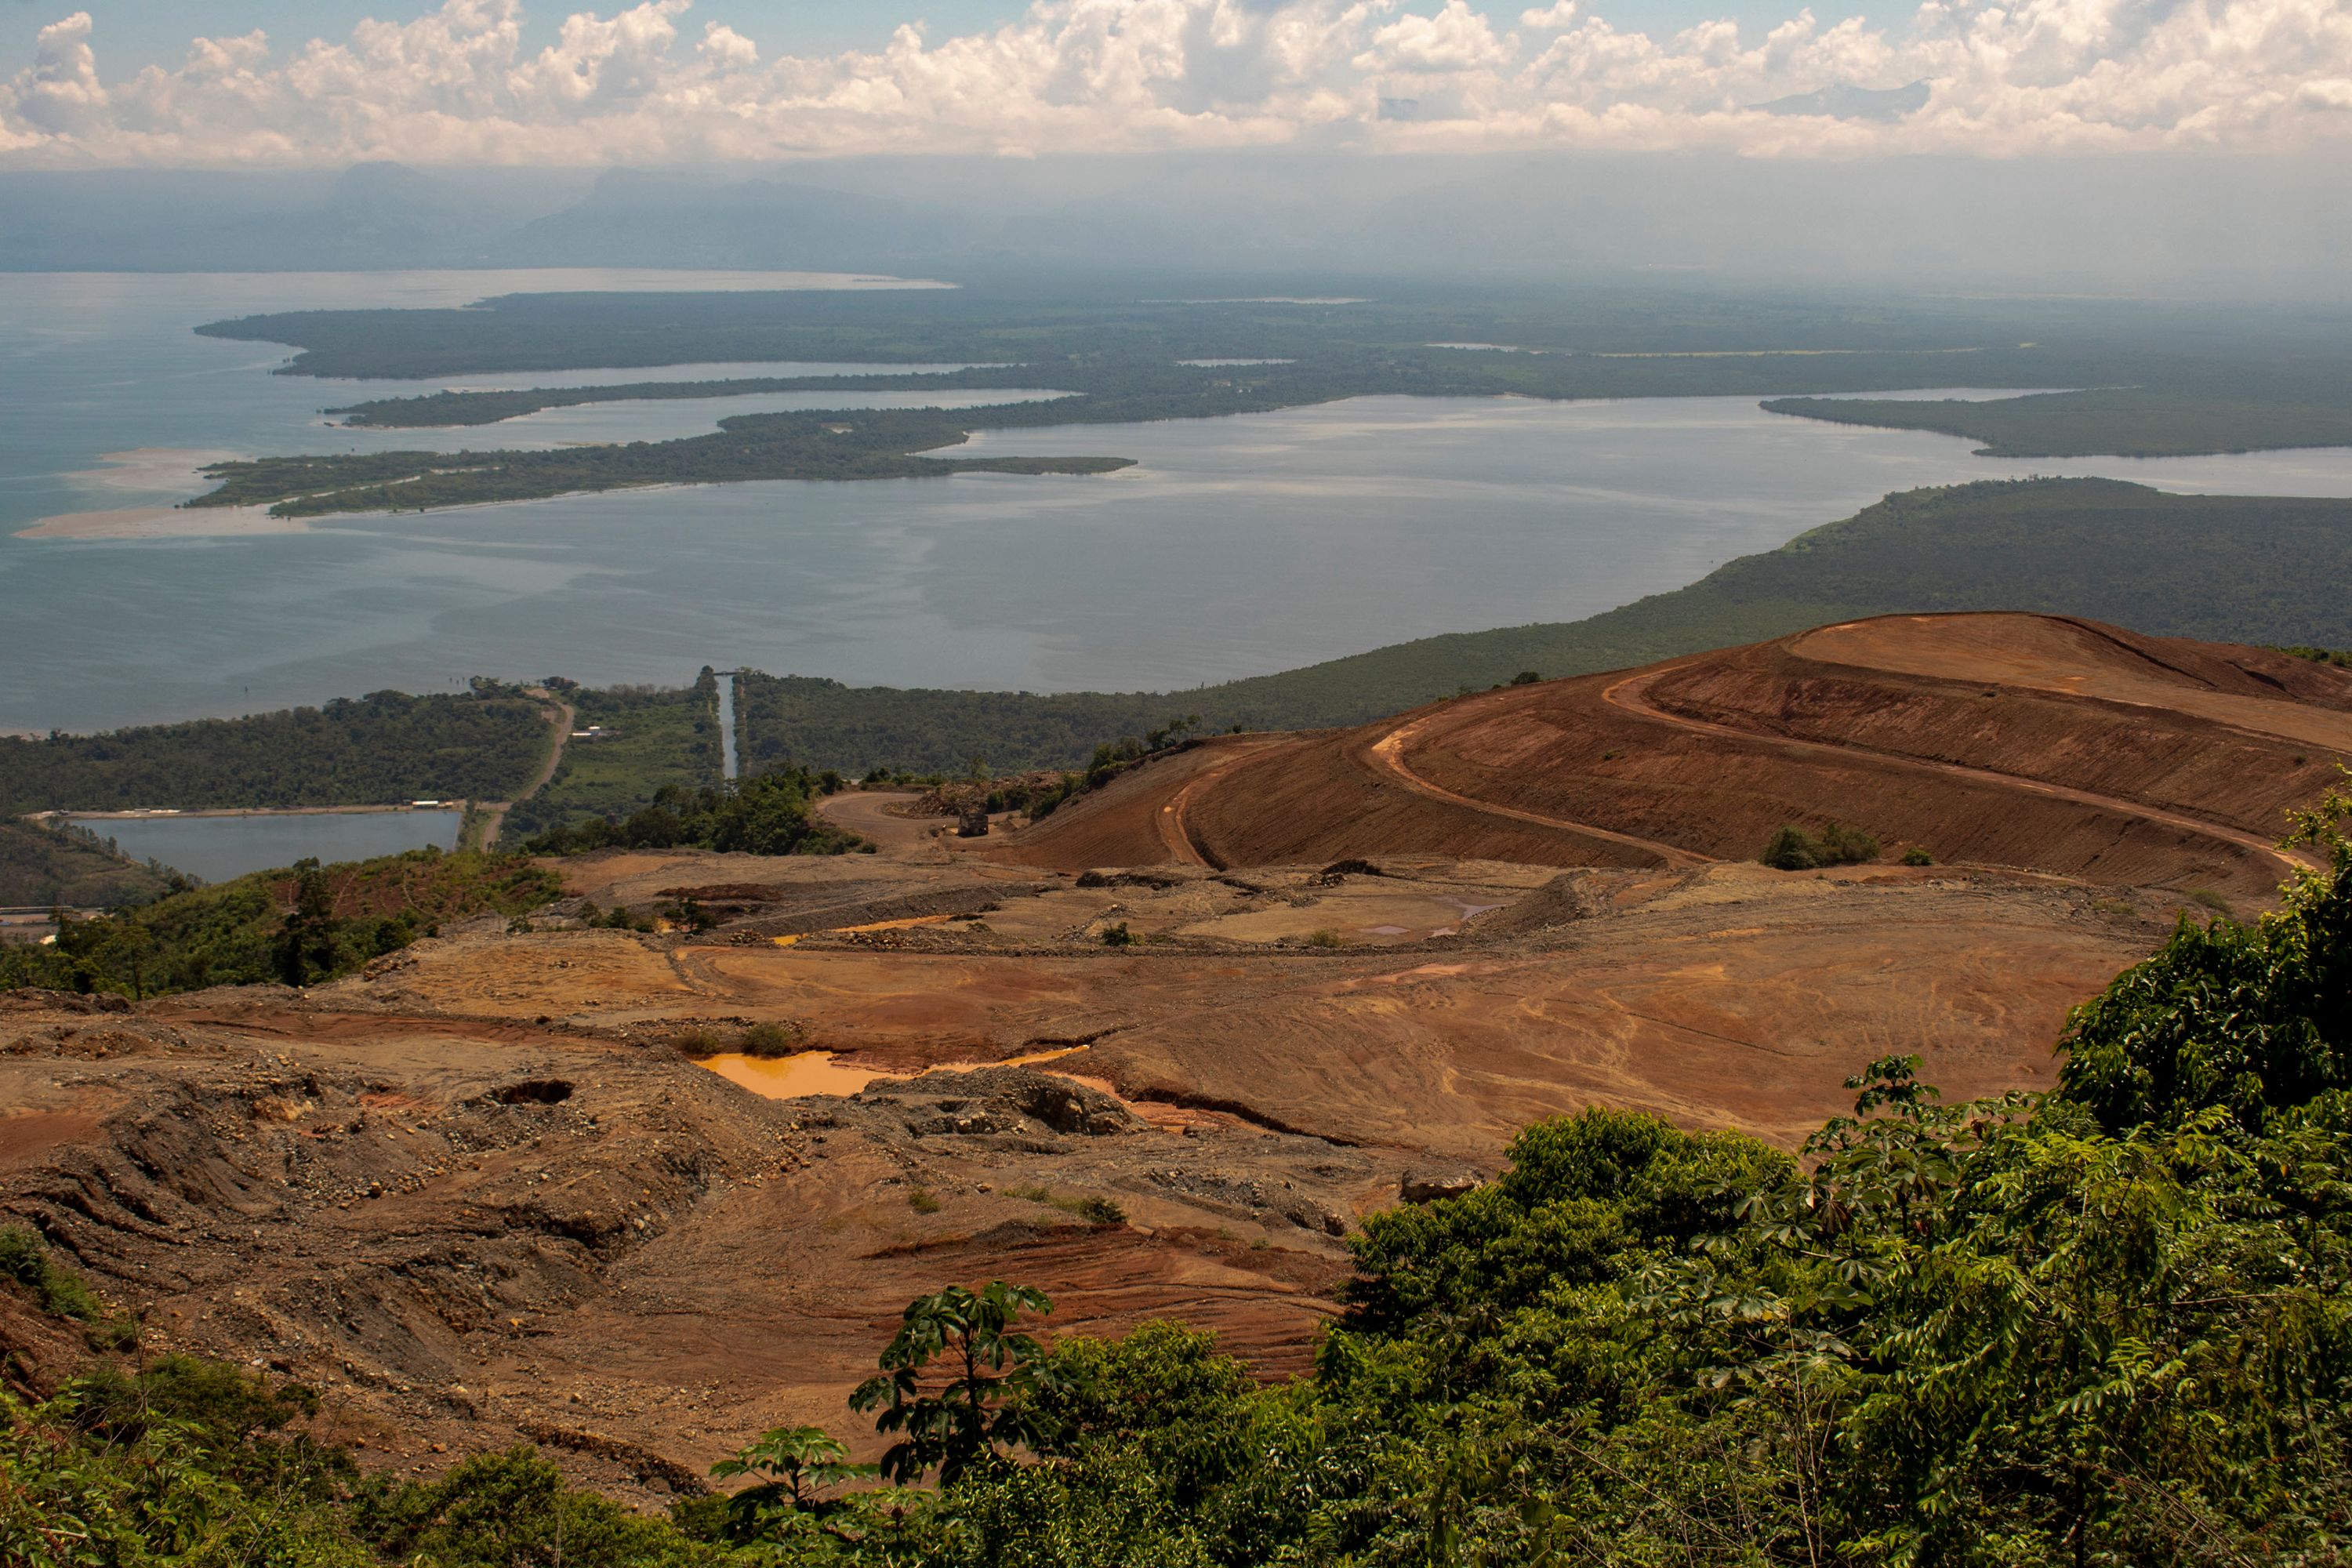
1455	40
456	85
61	94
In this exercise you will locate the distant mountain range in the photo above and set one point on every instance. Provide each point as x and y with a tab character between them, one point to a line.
2041	224
1841	101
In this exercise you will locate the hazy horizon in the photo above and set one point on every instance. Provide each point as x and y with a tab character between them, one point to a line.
2145	225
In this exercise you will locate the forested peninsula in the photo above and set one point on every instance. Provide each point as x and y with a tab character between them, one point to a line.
866	445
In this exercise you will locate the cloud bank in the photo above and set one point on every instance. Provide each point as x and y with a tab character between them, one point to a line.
644	86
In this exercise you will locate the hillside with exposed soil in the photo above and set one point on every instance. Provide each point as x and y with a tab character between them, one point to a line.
634	1194
2037	743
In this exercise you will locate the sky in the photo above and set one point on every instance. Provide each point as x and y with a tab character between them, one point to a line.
258	83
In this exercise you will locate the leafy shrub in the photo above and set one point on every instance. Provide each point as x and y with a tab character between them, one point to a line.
501	1510
231	1405
1118	936
1916	856
768	1039
768	814
58	1291
1793	849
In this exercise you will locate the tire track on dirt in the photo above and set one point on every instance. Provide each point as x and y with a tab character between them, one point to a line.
1386	756
1176	835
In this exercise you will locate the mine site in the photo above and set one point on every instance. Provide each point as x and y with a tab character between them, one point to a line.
628	1195
1175	784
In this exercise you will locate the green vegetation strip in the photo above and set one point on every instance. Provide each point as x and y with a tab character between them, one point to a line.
2223	568
641	740
301	925
2108	1325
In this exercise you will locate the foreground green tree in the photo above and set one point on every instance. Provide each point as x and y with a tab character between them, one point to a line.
983	1407
797	1471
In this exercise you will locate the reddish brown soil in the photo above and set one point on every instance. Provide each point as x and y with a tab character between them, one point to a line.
2020	740
478	1196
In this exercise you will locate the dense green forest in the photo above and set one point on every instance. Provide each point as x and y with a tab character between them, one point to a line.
2129	422
767	814
2224	568
655	738
301	925
2110	1325
376	750
43	865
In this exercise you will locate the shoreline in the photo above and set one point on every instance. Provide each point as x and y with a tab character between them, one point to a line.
172	813
164	522
153	469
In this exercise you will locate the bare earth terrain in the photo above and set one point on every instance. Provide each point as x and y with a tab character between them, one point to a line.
486	1191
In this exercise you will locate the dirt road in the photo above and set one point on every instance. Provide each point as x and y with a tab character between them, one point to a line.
1387	756
1177	833
489	816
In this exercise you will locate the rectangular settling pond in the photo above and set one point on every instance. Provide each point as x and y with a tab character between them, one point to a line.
219	847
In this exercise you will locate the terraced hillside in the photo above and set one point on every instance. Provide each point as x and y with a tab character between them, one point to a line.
2038	743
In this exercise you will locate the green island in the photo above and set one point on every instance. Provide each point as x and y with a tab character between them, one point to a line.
859	445
2107	1324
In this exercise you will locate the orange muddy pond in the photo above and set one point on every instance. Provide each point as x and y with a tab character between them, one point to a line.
807	1073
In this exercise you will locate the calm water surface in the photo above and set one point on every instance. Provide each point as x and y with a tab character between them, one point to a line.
1236	547
219	847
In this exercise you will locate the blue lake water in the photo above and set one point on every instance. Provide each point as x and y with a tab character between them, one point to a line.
1236	547
218	848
